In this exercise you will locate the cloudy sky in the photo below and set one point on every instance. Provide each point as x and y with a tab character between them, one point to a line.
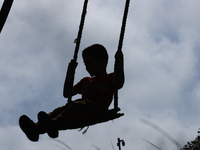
162	58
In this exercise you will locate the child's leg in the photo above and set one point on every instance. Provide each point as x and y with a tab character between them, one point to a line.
48	124
53	115
76	112
57	111
29	128
63	117
32	130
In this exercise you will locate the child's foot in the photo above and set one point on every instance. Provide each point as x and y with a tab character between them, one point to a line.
29	128
48	123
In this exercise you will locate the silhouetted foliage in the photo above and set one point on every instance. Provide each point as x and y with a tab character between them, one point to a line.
193	145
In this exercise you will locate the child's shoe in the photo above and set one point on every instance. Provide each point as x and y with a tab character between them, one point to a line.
29	128
48	123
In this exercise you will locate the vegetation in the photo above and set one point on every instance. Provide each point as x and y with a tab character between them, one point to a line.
193	145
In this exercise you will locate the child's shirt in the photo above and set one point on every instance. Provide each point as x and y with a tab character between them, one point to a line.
100	88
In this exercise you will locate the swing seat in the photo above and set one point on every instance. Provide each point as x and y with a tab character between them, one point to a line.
98	118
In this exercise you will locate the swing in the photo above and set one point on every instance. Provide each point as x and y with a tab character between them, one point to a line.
4	12
108	114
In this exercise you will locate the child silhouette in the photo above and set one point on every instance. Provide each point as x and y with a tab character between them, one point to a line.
96	91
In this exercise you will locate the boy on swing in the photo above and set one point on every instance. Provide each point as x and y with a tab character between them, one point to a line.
97	94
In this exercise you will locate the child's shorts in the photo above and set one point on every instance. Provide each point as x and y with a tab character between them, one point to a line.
72	113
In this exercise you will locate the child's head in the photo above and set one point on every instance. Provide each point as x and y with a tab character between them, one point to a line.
95	58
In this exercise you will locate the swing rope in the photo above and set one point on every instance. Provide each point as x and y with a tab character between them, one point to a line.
78	41
4	12
120	49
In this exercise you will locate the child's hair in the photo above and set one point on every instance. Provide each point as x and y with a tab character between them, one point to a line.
98	51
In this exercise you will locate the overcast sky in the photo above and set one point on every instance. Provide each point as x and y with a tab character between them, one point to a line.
162	58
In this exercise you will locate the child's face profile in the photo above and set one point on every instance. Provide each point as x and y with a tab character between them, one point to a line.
93	66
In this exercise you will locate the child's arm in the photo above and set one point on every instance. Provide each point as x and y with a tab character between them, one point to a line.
119	69
69	79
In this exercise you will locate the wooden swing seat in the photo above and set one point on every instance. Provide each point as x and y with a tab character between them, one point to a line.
98	118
